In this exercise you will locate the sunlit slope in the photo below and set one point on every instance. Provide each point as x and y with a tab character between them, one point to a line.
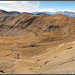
31	55
22	24
36	44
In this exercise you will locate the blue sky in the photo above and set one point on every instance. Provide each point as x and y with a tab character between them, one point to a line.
38	6
58	4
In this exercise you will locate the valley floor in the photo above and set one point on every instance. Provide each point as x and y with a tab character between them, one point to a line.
23	55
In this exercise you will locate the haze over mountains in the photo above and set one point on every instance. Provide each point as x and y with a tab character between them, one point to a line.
70	14
36	43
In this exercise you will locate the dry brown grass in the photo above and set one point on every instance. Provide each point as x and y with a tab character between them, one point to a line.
37	49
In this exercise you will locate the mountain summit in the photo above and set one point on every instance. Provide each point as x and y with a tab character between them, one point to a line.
10	12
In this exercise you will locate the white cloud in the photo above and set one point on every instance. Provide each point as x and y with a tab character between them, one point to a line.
47	10
22	6
25	6
7	1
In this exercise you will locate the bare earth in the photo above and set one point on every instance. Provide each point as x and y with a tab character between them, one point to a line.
33	51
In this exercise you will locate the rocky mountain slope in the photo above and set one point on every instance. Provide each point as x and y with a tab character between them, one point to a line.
14	24
37	44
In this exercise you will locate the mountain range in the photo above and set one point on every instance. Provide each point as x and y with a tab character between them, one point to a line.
70	14
37	43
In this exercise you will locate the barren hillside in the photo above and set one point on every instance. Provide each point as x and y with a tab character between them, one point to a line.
37	44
